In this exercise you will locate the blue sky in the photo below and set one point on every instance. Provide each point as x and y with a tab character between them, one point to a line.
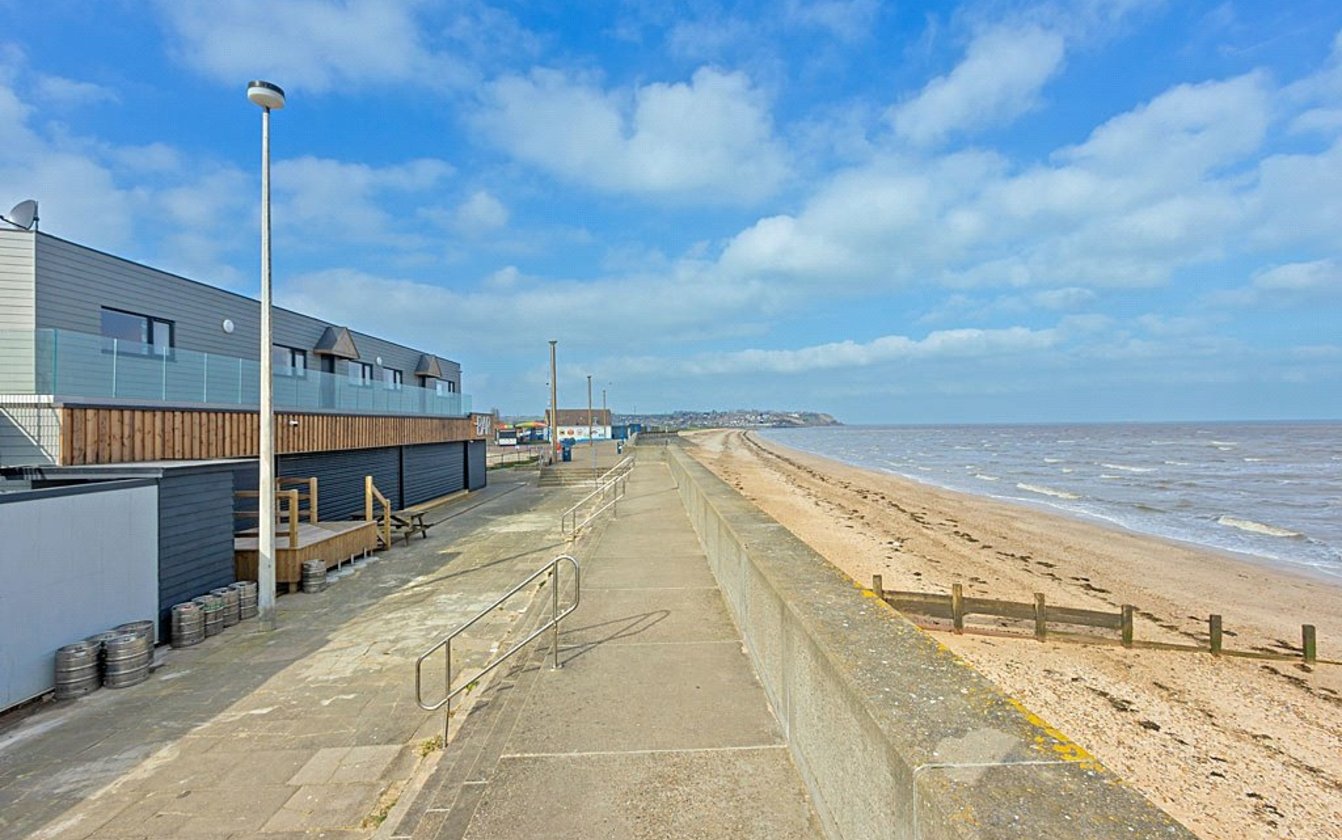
893	212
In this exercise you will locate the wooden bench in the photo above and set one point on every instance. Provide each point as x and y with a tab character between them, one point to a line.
410	521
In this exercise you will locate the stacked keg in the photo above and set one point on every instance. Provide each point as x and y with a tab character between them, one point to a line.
232	605
247	594
314	575
213	607
126	658
188	625
77	670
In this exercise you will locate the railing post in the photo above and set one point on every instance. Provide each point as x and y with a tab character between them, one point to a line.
116	353
554	600
447	691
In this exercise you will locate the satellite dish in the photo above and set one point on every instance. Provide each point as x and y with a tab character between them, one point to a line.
24	215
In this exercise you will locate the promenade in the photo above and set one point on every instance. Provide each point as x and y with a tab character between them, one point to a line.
654	726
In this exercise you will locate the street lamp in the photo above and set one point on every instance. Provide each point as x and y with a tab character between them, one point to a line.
269	97
591	441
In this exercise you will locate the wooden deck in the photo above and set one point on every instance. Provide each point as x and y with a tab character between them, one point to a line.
334	542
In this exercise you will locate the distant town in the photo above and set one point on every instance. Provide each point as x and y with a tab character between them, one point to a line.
737	419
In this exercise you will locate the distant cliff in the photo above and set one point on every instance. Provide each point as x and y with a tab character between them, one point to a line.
738	419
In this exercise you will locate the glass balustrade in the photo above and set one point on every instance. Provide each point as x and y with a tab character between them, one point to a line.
76	365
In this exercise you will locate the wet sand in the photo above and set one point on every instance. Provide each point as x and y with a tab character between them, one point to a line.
1232	747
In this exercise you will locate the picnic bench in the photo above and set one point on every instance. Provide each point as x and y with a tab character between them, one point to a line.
410	521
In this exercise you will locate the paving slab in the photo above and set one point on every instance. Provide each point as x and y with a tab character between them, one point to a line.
304	729
654	726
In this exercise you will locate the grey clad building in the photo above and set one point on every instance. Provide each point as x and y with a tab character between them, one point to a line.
129	421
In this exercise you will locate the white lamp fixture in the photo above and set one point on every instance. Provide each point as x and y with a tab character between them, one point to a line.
270	97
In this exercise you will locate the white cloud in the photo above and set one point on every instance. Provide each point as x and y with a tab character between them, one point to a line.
480	213
308	44
847	20
999	79
1316	282
710	139
335	200
58	91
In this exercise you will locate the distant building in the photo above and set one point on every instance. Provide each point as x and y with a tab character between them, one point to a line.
575	423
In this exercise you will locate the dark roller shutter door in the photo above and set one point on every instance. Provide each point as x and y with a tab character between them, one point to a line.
475	464
433	469
340	477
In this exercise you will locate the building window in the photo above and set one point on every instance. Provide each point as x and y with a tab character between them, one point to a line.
137	333
391	378
289	361
361	374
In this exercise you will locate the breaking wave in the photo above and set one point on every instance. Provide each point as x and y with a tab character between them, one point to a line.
1046	491
1255	527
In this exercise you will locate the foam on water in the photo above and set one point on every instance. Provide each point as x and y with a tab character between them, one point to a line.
1256	527
1270	490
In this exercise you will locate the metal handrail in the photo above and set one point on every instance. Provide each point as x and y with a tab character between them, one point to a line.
605	483
552	568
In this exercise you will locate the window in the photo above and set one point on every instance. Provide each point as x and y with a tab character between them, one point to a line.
391	378
137	333
289	361
360	374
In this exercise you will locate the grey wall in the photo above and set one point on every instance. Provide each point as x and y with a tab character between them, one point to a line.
75	282
76	561
195	537
893	735
17	312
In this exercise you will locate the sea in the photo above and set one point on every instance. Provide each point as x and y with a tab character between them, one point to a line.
1270	491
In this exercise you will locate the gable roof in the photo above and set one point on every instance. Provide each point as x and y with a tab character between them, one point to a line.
578	416
336	341
429	366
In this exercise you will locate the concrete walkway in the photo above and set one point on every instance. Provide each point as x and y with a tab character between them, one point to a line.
312	727
654	726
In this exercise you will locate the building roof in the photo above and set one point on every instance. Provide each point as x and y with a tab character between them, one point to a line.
336	341
578	416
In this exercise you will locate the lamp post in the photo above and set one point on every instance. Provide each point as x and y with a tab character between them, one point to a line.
554	407
269	97
591	442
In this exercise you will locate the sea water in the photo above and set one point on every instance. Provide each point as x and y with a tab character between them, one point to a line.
1269	490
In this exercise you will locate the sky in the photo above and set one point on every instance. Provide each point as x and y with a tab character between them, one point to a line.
893	212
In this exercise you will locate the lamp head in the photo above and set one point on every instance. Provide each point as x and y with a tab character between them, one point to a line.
265	94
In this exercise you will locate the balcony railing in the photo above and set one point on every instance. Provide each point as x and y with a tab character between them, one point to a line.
68	364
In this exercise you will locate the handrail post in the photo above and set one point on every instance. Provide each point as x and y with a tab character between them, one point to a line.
554	600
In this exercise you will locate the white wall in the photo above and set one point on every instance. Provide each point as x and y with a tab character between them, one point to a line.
72	564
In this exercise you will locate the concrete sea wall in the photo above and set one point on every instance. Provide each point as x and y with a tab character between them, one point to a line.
894	736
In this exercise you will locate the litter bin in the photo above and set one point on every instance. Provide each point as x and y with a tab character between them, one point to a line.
568	450
619	447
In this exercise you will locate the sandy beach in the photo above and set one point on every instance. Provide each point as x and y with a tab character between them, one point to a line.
1232	747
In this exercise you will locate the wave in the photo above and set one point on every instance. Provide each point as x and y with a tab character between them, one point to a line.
1053	460
1066	469
1220	443
982	477
1046	491
1255	527
1178	463
1128	469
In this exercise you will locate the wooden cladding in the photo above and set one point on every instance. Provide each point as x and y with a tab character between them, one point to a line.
119	435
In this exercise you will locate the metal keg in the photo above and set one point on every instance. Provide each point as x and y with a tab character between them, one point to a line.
213	607
77	671
247	594
137	628
231	604
314	575
188	625
126	660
